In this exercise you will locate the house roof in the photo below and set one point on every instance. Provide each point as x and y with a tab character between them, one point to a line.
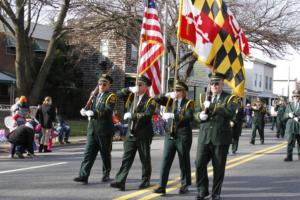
7	78
42	32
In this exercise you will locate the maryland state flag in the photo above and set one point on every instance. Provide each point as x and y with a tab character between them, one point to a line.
218	41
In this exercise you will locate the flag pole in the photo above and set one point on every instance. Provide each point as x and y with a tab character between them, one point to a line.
172	128
164	59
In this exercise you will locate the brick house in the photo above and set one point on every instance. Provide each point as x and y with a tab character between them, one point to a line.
106	53
41	38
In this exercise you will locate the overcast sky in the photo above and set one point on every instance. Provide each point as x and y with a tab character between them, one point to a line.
281	71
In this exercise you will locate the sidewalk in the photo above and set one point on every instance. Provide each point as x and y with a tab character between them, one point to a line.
4	147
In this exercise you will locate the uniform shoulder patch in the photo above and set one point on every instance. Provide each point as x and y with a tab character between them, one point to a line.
112	98
150	102
190	104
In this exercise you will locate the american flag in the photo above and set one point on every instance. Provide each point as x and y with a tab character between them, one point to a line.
151	47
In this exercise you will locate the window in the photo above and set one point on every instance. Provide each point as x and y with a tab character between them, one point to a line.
10	50
103	50
260	80
255	80
266	82
4	90
134	53
270	83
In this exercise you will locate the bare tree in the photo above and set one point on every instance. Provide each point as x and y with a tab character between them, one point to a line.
269	25
21	17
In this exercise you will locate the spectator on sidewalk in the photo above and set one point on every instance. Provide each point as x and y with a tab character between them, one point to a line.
63	130
248	113
46	116
20	112
118	126
23	136
274	113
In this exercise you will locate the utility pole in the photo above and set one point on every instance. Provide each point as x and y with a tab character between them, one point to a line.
164	58
288	87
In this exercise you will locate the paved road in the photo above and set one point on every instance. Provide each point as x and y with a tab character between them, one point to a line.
256	172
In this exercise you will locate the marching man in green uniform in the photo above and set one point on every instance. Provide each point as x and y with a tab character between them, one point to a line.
236	123
280	108
215	136
258	121
139	134
292	131
179	139
99	131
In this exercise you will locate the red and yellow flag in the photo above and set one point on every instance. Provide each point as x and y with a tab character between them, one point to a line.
217	40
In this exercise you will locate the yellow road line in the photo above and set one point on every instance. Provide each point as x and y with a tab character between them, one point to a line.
278	147
175	180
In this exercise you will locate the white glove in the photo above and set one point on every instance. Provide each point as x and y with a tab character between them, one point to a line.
291	115
254	107
206	104
127	116
171	94
296	119
167	116
231	124
133	89
203	116
89	113
83	112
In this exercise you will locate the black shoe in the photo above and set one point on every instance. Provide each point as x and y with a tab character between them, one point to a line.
252	142
201	195
83	180
262	142
183	189
121	186
144	184
277	135
215	197
160	190
20	155
46	150
288	159
233	152
67	142
30	155
41	147
105	178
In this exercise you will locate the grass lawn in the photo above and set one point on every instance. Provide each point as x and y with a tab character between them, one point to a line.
78	127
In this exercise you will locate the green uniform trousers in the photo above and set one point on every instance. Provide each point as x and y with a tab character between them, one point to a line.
292	139
94	144
181	145
236	133
281	128
218	155
130	149
260	128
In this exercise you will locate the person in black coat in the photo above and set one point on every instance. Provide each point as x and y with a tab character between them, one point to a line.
24	136
46	115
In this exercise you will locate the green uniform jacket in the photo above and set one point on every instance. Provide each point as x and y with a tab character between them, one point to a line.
101	123
216	128
141	117
292	127
280	112
183	118
259	117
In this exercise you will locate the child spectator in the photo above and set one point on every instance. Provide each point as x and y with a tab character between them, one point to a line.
63	130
